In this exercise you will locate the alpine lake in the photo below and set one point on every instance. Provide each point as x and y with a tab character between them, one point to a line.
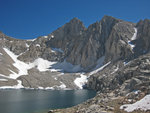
40	101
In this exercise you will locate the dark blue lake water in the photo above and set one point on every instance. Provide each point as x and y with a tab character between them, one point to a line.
40	101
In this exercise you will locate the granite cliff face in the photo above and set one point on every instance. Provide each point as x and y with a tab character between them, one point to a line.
143	40
124	83
84	46
87	51
81	46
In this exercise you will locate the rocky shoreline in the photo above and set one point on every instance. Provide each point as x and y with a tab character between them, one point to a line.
111	95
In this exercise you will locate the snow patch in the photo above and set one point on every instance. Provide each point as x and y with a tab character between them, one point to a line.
32	39
52	88
40	87
3	80
123	42
62	86
143	104
66	67
134	35
1	54
13	75
18	86
54	70
55	78
52	36
57	50
45	36
21	66
27	45
23	52
99	69
4	76
133	38
116	69
41	64
81	81
126	63
137	91
37	45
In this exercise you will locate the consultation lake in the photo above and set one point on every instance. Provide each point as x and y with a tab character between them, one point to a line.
40	101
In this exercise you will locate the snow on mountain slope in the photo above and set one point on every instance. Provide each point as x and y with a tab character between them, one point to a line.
1	75
66	67
81	81
32	39
18	86
133	38
57	50
143	104
21	66
99	69
3	80
45	65
41	64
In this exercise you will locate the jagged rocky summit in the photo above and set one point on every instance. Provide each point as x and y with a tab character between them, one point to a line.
110	56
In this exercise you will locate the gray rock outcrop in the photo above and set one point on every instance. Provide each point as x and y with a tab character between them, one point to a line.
143	37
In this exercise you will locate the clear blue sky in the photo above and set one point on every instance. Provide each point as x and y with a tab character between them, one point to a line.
33	18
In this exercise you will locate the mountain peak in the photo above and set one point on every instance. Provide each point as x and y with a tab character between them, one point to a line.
106	17
75	19
1	34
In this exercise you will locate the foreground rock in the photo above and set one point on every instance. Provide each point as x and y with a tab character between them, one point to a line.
48	80
117	84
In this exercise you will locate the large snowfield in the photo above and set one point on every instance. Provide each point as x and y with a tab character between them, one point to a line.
42	65
45	65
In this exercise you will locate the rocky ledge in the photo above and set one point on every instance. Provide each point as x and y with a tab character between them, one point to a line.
122	87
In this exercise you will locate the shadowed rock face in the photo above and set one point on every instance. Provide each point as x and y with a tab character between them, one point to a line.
143	37
117	46
87	51
85	46
65	36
